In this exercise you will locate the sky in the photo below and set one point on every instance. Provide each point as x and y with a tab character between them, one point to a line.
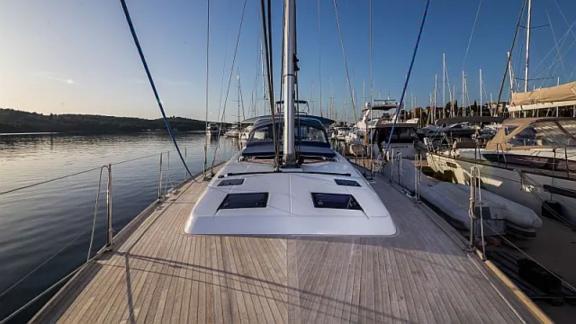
77	56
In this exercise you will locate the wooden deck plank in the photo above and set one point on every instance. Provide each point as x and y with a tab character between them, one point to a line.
276	290
450	267
264	297
159	274
239	303
136	259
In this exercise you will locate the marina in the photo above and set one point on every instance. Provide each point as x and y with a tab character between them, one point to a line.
296	205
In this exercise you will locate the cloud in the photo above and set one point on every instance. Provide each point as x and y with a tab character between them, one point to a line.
54	77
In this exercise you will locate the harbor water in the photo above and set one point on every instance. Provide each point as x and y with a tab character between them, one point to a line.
46	228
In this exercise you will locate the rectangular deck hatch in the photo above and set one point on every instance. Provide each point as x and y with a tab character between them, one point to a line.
335	201
348	183
231	182
245	200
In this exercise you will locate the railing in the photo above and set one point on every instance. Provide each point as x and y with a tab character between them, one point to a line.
475	176
476	215
417	176
500	149
163	182
565	159
475	204
395	161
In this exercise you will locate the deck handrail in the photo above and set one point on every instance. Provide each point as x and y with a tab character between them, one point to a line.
109	228
74	174
476	201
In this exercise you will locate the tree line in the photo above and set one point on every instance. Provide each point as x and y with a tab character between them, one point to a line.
17	121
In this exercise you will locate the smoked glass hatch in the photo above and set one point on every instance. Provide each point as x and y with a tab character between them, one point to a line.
335	201
245	200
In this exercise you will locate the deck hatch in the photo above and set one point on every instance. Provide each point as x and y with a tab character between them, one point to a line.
245	200
231	182
348	183
335	201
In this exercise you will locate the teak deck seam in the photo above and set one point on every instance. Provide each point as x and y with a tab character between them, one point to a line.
157	273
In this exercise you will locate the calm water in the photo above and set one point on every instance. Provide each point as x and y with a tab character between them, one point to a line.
37	222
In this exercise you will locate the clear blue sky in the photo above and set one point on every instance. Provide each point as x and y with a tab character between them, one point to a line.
77	55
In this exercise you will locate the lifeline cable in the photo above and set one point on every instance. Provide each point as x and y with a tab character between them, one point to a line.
153	85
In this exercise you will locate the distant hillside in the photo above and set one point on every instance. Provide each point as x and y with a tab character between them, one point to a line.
16	121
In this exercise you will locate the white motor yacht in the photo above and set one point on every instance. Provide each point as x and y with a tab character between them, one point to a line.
530	160
402	140
212	129
233	132
245	134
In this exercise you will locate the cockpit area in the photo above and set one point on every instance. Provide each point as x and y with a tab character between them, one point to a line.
311	139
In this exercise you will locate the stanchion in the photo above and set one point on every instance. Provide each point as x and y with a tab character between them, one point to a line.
109	208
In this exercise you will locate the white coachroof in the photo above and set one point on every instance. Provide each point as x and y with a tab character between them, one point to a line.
290	208
558	96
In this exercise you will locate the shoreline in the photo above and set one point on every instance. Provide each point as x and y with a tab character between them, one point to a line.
96	133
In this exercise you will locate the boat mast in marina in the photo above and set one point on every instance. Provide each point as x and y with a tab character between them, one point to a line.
481	85
289	80
527	56
444	85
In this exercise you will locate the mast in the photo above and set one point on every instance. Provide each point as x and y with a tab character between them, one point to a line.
453	102
481	90
462	105
264	77
491	104
319	57
444	85
510	73
527	45
238	104
435	101
289	79
368	133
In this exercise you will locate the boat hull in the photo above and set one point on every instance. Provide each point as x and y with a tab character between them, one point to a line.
538	191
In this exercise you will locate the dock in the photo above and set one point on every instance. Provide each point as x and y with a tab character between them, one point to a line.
157	273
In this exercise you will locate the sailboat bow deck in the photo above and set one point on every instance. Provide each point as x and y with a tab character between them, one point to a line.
157	273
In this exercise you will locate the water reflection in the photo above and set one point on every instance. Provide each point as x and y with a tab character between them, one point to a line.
37	222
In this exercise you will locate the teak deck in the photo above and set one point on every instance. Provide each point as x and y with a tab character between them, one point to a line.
157	273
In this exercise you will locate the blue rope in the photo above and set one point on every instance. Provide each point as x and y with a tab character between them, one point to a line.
149	75
401	104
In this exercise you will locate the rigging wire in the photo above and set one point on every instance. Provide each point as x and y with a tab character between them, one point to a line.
336	15
541	70
555	41
230	79
267	35
563	40
401	104
207	80
510	56
241	98
221	91
368	131
565	19
472	33
318	7
153	85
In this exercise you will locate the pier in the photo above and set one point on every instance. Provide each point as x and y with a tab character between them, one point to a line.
157	273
